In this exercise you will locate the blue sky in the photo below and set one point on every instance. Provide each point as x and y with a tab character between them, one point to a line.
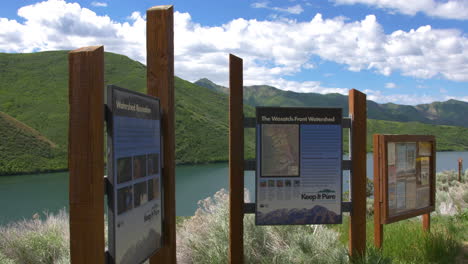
406	52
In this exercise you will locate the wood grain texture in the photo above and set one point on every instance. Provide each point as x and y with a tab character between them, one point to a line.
160	83
357	219
426	222
378	227
236	162
86	154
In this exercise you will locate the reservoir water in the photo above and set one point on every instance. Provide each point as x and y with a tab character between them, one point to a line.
22	196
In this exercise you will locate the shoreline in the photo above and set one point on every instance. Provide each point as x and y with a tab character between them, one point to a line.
177	164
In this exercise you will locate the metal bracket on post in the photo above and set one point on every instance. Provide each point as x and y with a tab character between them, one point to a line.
250	165
346	164
346	207
107	186
346	122
249	208
250	122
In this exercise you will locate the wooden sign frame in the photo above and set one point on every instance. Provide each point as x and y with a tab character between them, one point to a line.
381	178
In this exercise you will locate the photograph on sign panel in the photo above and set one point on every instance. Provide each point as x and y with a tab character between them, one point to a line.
124	170
401	195
410	193
391	153
391	197
424	171
154	189
405	159
422	197
140	193
425	149
400	158
280	150
139	166
124	199
411	158
153	164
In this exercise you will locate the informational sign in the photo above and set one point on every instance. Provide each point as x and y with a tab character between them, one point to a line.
299	175
408	179
134	172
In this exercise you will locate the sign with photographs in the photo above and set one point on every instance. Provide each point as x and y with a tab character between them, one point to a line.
408	164
134	172
299	156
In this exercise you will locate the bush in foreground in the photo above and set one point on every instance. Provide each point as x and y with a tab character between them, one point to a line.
203	238
36	241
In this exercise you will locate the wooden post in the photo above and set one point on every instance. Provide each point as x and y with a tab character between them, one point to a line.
86	154
160	83
236	162
460	169
357	219
426	219
378	226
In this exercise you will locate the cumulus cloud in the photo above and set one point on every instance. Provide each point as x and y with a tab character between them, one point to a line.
272	51
99	4
448	9
295	10
409	99
390	85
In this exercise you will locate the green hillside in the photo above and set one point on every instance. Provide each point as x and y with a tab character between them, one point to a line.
23	149
447	137
34	94
35	91
451	112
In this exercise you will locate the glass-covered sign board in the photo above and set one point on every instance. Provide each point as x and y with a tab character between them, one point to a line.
134	172
299	156
407	175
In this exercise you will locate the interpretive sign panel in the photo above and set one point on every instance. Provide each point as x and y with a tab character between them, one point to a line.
134	173
299	156
408	163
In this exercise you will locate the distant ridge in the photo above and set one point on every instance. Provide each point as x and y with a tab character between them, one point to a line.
451	112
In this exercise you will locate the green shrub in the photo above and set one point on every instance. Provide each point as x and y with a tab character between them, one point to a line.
204	239
37	241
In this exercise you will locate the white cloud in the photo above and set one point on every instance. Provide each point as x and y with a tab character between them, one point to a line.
99	4
259	5
390	85
409	99
295	10
448	9
272	51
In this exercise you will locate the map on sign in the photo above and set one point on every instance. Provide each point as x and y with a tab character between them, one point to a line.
281	150
299	176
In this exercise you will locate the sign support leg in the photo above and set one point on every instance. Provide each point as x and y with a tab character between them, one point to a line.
357	219
86	154
426	221
236	162
378	227
160	83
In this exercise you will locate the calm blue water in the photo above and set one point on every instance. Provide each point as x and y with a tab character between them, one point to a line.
22	196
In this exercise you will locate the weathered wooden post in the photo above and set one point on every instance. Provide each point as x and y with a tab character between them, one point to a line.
86	154
160	83
236	161
460	169
357	219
